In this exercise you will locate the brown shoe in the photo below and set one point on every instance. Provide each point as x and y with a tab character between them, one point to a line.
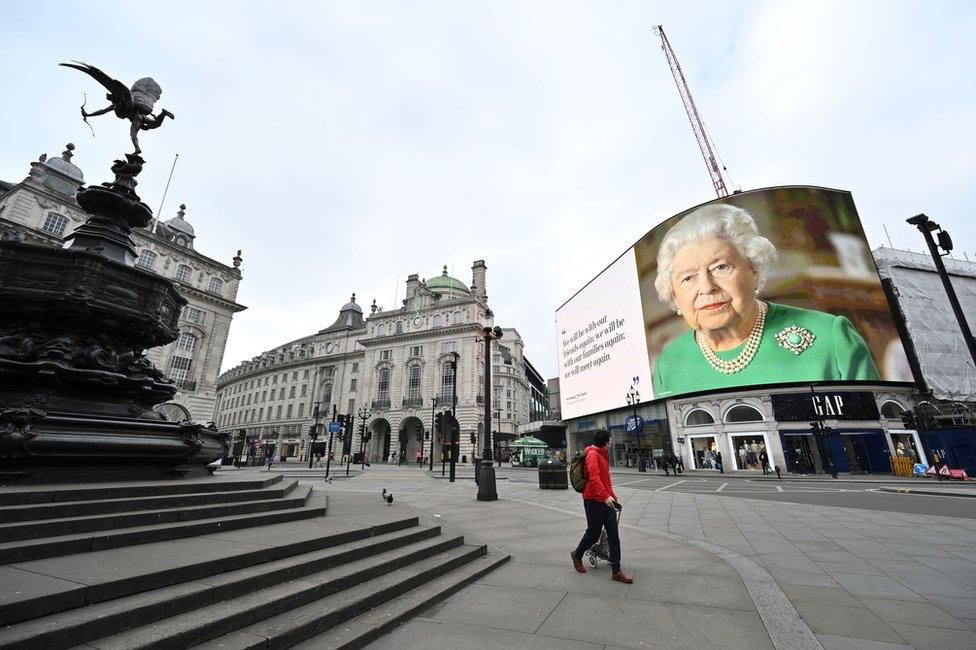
577	563
620	576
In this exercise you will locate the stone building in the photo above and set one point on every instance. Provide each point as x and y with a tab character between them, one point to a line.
391	368
42	209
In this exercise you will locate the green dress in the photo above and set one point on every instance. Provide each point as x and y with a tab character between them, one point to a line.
836	353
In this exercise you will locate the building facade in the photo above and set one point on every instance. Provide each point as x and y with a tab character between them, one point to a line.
393	369
866	420
42	210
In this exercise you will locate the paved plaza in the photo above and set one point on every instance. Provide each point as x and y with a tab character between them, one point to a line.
712	569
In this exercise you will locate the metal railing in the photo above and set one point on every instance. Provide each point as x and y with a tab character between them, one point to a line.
186	384
413	402
381	404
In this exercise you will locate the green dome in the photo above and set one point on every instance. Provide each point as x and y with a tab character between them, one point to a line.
444	282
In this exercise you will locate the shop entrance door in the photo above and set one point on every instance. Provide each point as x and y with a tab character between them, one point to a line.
799	454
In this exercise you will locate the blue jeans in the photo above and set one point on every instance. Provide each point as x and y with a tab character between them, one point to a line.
598	516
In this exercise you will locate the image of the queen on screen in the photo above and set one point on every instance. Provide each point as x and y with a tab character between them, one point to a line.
712	266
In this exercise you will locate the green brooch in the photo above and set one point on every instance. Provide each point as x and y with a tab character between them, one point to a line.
796	339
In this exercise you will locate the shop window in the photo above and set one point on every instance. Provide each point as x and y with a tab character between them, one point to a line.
892	410
699	416
749	452
743	413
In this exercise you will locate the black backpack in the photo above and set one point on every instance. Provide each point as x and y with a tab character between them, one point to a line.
577	473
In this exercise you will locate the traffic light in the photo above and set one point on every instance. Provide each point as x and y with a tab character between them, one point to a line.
439	424
313	433
419	435
474	438
362	428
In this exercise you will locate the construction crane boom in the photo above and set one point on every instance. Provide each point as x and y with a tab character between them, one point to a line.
704	142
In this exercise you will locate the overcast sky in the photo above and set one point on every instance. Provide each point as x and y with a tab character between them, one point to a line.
345	145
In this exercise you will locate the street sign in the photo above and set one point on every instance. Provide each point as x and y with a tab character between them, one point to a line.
635	424
335	427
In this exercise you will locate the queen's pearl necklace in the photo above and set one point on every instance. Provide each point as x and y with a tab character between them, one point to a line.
745	357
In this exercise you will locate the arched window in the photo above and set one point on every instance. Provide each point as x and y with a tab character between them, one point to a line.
743	413
147	260
55	224
183	273
438	320
413	382
699	416
399	327
383	385
381	329
892	409
456	318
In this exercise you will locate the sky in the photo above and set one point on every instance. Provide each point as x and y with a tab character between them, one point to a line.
346	145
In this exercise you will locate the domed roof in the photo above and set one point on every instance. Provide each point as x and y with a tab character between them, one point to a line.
350	318
445	282
179	223
352	305
65	168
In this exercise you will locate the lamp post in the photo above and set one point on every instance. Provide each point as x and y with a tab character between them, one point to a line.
364	433
633	399
433	433
313	434
487	490
926	226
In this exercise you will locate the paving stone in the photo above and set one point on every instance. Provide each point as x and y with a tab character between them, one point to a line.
712	591
876	586
958	606
938	638
518	609
822	595
831	642
424	634
857	623
900	611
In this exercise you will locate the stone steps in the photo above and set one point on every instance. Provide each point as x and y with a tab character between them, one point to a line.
227	563
165	514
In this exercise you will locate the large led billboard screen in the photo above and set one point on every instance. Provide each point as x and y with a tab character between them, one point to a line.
771	286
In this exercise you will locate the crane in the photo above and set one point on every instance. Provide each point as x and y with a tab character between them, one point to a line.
708	151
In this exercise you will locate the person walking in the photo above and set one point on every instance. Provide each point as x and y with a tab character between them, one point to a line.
271	456
718	462
600	504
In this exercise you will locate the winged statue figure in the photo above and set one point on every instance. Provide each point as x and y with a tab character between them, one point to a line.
134	104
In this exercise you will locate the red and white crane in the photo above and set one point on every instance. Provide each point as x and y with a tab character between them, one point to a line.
716	170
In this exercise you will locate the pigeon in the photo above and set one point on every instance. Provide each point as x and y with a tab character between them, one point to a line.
389	499
383	494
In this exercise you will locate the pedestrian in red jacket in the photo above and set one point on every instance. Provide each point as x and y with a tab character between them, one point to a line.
600	504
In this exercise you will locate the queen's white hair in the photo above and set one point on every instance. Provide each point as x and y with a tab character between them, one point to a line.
720	221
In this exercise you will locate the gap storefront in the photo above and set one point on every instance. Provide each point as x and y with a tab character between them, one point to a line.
630	448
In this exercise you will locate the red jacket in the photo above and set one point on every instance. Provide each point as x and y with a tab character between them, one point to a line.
598	485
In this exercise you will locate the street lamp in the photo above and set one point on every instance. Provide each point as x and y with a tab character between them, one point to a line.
487	490
433	433
927	226
364	433
313	433
633	399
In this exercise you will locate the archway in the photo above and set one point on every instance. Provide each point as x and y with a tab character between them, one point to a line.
410	430
379	444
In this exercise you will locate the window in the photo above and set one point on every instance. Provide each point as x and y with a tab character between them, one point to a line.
381	329
456	318
383	385
438	320
384	355
416	350
281	393
327	394
355	368
305	374
186	342
288	414
183	273
294	376
699	416
264	396
279	413
179	368
195	315
892	410
447	380
261	413
413	383
147	260
248	396
291	392
304	390
55	224
216	285
352	385
274	380
448	346
743	413
330	371
301	410
399	327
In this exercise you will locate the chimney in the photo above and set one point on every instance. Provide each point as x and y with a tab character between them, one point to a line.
413	282
478	270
